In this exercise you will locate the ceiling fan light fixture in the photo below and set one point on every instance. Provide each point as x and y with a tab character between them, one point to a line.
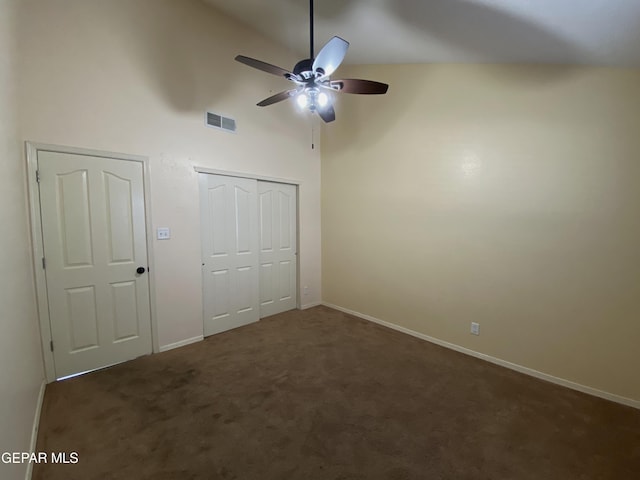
323	99
313	99
302	100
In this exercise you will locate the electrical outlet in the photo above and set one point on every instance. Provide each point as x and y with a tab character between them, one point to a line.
306	290
475	328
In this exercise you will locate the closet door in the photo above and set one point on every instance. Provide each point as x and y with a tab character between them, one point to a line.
278	247
229	219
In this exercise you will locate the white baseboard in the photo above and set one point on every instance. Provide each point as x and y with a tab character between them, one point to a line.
310	305
181	343
35	428
513	366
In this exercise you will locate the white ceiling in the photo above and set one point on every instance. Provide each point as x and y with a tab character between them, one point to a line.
593	32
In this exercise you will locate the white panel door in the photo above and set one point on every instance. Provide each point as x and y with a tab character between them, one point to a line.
278	247
229	220
94	232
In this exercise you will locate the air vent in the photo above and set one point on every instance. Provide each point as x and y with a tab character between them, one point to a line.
218	121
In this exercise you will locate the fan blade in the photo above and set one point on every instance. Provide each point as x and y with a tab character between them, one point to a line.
327	114
330	57
362	87
278	97
267	67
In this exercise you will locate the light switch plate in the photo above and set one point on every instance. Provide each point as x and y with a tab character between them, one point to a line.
164	233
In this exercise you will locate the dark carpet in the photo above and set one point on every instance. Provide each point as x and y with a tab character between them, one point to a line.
318	394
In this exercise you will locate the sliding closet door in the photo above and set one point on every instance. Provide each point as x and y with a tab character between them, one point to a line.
278	252
229	219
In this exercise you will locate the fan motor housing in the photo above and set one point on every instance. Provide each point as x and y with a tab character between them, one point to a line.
302	66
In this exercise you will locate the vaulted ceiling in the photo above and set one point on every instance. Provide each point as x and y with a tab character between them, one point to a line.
586	32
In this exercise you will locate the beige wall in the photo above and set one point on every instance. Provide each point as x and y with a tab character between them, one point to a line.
503	195
21	372
137	77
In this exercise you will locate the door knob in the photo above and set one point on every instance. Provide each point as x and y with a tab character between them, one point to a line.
141	270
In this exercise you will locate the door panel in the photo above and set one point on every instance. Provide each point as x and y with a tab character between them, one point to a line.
286	285
266	221
244	217
125	308
229	219
218	220
75	224
119	206
285	204
83	318
221	291
93	226
266	285
278	255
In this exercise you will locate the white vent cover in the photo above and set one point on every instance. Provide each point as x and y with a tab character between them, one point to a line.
218	121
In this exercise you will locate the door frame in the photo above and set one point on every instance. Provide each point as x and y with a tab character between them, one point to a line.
264	178
37	242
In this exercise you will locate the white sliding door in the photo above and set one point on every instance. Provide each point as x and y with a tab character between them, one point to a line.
278	252
229	220
249	250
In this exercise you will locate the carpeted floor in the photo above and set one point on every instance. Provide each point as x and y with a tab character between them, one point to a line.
322	395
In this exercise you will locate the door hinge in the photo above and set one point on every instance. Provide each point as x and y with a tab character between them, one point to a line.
44	264
51	345
38	176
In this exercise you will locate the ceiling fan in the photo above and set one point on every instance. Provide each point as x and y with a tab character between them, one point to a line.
312	77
